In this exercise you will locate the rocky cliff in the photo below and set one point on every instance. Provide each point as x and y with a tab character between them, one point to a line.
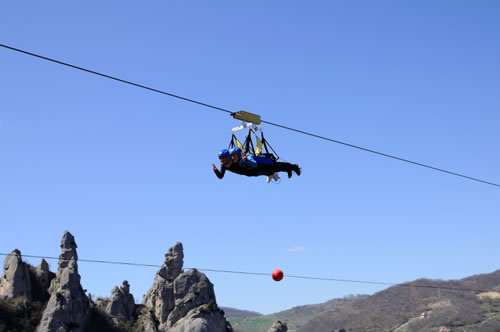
33	298
68	306
183	301
15	281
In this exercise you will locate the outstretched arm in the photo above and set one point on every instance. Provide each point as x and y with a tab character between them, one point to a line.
220	174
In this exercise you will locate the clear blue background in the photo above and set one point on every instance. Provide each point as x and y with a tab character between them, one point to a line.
128	171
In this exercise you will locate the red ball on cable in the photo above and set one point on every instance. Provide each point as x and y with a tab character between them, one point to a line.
277	275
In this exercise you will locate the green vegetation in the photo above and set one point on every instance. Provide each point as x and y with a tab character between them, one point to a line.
491	306
99	322
20	315
255	324
235	321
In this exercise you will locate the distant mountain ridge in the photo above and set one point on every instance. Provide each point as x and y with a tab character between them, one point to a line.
473	305
412	309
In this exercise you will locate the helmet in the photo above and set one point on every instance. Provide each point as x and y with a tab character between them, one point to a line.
224	153
235	150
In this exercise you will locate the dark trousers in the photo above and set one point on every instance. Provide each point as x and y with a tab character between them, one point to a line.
274	168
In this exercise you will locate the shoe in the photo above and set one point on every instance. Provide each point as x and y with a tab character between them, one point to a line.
276	177
296	169
269	178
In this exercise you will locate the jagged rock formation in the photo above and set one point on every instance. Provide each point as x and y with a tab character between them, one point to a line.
68	306
42	274
278	326
205	318
40	281
183	301
161	295
15	280
191	290
178	301
121	304
195	306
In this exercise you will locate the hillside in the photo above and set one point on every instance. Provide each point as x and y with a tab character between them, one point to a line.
237	313
295	317
411	309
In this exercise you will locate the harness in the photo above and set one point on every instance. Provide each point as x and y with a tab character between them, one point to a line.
262	147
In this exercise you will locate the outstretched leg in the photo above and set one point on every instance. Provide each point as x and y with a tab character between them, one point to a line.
287	167
269	170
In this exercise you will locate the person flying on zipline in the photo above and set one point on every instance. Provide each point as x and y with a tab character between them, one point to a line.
258	160
249	165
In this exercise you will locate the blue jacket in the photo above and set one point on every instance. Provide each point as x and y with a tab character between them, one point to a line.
249	163
254	162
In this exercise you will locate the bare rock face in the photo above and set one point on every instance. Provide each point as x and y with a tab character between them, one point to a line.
121	304
191	290
40	281
68	306
15	280
183	301
278	326
204	318
174	260
161	295
42	273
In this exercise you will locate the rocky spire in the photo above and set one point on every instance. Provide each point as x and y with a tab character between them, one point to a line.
15	280
278	326
121	304
161	295
68	306
174	260
184	301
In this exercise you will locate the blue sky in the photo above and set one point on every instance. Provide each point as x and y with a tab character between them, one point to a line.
128	171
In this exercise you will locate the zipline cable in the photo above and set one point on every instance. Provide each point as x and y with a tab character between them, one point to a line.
380	153
262	274
114	78
267	122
